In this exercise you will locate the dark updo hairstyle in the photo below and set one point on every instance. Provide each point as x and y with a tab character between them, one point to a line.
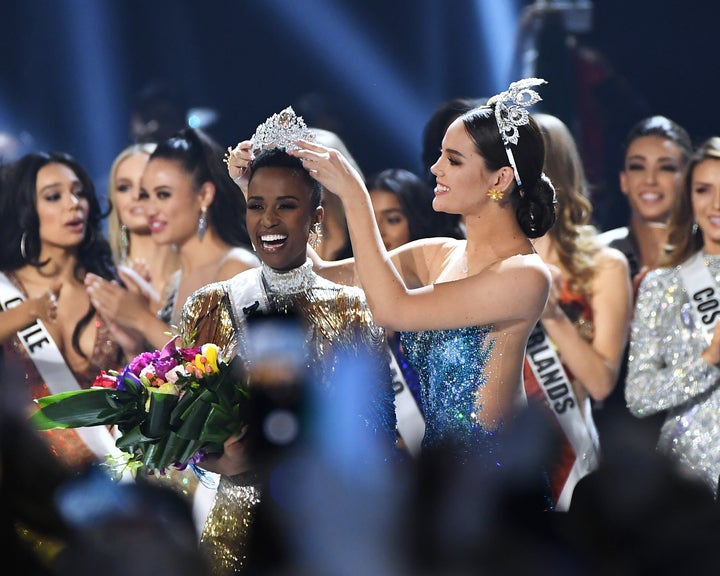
18	210
416	198
534	203
278	158
664	128
201	157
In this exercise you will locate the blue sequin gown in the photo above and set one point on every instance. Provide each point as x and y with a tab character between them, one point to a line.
451	367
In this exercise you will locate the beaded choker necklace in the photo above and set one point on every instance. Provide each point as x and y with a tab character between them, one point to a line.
292	281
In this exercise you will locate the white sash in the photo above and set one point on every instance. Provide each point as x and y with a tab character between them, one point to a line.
554	382
410	421
52	368
702	292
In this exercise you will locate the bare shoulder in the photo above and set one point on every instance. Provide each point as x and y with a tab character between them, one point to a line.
530	266
237	260
611	259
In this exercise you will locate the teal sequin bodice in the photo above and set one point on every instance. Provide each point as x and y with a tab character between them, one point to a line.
451	367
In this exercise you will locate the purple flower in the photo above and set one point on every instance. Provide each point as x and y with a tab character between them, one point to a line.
163	365
140	361
128	376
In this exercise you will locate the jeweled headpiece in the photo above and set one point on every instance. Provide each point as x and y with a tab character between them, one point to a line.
280	131
511	112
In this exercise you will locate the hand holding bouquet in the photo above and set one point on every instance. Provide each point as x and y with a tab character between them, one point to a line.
171	406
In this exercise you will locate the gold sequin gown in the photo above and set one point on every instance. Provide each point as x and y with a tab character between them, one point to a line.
337	320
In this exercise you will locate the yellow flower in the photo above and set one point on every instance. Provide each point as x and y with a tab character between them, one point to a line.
208	358
169	388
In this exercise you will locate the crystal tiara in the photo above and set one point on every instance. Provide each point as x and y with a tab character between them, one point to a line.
280	131
511	111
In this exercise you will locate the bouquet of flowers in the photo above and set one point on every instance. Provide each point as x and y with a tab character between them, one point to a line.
171	406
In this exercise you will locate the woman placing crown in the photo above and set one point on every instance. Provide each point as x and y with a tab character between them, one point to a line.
465	308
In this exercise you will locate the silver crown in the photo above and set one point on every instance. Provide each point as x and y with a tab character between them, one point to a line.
280	131
510	116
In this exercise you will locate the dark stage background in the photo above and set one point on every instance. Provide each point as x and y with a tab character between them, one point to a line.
371	70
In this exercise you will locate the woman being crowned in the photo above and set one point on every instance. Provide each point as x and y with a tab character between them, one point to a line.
332	325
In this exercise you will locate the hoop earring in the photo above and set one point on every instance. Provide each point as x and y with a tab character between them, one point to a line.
23	251
124	243
315	236
495	194
202	223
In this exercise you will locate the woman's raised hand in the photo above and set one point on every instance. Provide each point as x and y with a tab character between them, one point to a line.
238	161
329	167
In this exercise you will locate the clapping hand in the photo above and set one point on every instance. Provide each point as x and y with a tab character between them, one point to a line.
45	306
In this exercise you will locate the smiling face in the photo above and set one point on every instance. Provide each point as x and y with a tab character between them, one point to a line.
652	177
62	207
705	197
126	193
173	204
392	222
279	216
460	172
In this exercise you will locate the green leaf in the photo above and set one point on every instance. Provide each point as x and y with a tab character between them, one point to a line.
79	408
157	422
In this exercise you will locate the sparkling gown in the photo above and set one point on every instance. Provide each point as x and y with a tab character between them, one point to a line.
453	368
65	444
666	371
337	322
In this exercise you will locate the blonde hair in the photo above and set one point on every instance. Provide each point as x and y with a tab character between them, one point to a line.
574	236
114	223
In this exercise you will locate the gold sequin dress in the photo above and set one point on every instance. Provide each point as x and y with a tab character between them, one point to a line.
337	321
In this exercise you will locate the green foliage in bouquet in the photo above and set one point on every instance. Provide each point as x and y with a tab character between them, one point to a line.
171	406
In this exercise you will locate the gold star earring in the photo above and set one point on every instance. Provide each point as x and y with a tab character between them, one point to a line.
495	194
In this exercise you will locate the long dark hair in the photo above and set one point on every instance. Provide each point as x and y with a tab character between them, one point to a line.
21	224
663	127
534	203
200	156
416	197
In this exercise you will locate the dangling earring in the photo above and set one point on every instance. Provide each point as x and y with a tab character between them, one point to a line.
22	246
495	194
695	228
202	223
315	236
124	243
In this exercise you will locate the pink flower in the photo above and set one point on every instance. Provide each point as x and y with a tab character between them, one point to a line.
140	361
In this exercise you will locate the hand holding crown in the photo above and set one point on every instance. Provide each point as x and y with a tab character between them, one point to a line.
329	167
238	161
